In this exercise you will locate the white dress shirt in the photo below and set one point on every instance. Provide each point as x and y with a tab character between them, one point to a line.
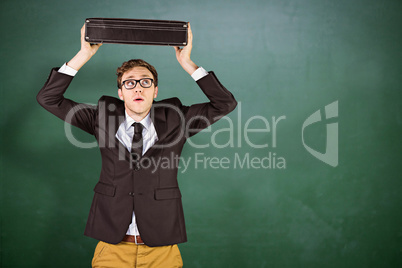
126	131
125	135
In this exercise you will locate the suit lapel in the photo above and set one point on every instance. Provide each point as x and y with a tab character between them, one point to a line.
158	118
121	116
117	117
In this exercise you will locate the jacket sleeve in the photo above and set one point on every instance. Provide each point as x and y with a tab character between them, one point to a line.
51	97
221	102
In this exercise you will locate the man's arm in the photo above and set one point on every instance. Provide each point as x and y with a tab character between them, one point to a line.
51	96
85	54
183	55
221	101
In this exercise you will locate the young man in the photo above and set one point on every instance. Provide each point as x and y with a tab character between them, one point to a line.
137	212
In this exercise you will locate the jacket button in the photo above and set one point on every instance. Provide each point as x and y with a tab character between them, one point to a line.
131	193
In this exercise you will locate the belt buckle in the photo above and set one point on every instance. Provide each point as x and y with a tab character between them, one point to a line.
135	239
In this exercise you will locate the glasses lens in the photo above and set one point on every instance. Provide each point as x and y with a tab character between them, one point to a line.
146	82
130	84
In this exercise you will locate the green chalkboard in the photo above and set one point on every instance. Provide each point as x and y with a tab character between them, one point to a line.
304	173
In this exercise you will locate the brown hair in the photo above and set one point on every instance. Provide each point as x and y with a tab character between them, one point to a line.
128	65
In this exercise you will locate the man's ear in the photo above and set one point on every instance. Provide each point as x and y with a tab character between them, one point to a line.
156	92
120	94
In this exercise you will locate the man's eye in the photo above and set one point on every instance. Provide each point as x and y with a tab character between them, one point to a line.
130	83
146	82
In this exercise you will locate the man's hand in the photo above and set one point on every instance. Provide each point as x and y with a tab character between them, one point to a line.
86	46
183	54
85	54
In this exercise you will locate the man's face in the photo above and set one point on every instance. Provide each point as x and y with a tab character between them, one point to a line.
138	101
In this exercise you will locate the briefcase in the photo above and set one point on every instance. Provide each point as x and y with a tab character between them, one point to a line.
136	31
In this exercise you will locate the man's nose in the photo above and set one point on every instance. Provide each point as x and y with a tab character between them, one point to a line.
137	88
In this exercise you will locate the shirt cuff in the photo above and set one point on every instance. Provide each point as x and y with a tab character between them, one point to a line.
199	73
65	69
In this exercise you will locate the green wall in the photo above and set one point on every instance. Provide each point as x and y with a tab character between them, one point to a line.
280	58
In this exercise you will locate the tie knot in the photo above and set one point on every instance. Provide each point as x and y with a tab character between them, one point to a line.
138	127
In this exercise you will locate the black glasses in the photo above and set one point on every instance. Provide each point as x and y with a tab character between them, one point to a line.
131	83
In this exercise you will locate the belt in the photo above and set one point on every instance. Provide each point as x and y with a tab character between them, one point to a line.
133	239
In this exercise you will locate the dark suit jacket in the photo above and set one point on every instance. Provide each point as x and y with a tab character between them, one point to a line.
152	191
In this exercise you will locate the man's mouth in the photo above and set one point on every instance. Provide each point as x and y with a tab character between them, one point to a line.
139	99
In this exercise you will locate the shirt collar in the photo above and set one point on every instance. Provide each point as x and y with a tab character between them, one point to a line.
146	121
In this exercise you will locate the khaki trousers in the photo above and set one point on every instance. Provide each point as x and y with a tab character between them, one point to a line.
131	255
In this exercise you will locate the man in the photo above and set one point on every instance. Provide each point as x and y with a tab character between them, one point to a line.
137	212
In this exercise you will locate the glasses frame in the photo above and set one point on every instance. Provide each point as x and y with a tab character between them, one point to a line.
136	82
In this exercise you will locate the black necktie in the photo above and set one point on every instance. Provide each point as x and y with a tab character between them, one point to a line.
136	145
